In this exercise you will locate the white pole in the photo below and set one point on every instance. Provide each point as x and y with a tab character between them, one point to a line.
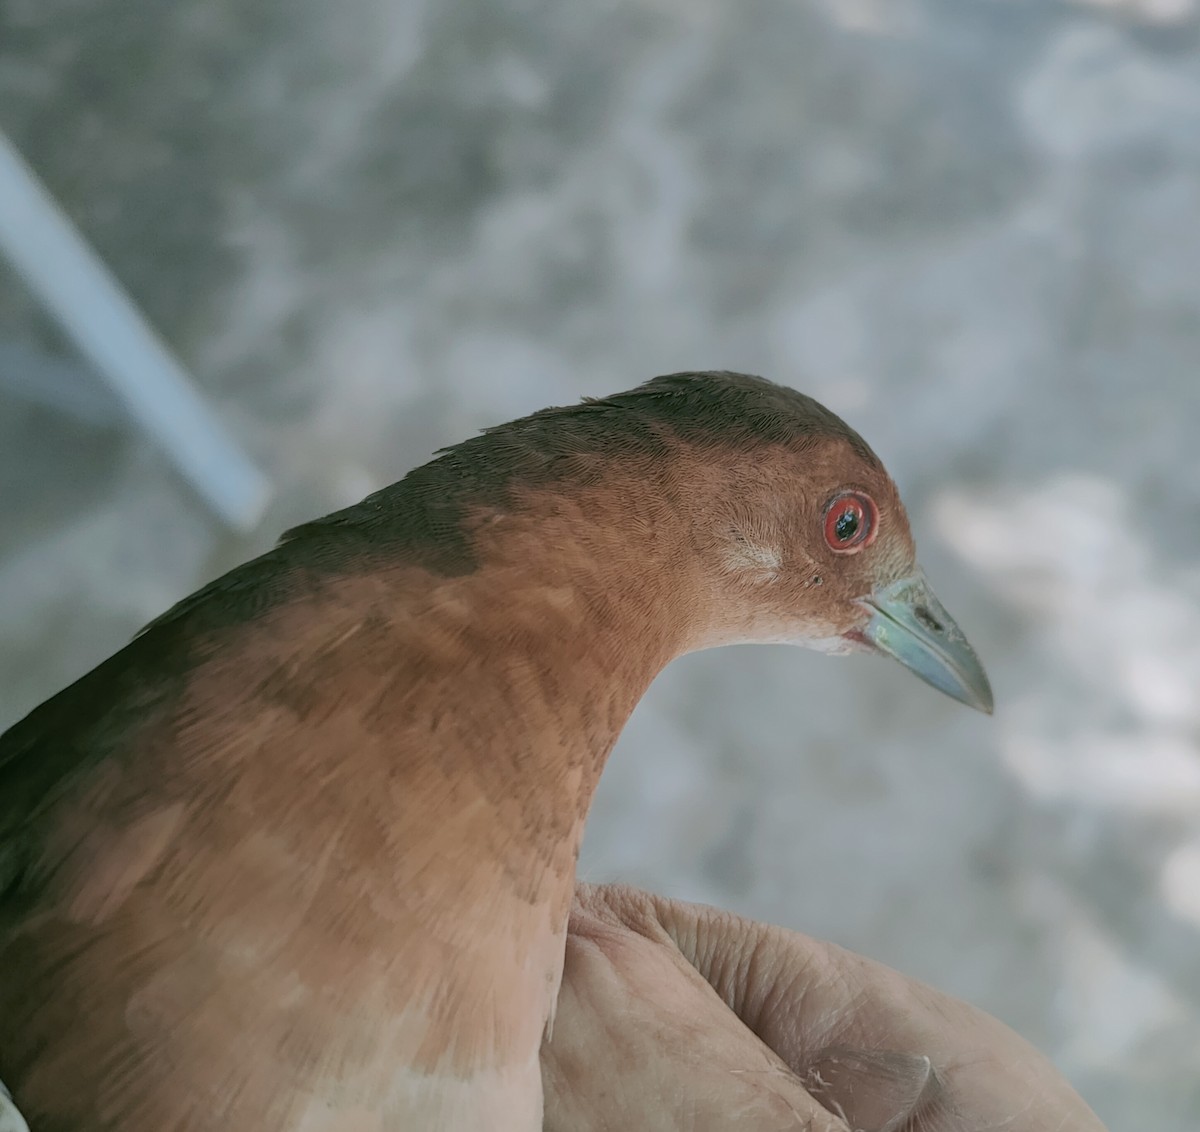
10	1119
95	312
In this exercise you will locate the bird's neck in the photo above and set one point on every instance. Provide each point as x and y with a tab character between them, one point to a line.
516	680
576	605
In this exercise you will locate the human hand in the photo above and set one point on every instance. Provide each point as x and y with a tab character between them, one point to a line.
678	1017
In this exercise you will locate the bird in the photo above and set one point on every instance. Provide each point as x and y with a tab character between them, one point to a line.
301	854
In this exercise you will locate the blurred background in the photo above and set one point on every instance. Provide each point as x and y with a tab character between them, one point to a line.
972	228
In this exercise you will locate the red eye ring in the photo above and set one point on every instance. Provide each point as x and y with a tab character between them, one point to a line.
851	522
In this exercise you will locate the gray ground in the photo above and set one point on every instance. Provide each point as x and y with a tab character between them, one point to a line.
973	228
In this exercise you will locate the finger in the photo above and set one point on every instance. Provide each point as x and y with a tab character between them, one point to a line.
642	1042
892	1052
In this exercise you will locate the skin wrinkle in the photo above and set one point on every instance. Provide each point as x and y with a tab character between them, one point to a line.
756	970
753	993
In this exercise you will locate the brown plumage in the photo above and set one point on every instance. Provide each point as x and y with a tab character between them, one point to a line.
301	855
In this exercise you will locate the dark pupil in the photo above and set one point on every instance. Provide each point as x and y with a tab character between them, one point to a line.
846	526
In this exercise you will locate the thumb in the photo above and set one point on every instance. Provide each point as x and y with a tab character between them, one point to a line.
883	1051
642	1042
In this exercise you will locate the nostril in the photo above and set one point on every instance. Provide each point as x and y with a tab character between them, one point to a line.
922	614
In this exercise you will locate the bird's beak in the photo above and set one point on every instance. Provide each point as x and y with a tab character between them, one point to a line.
908	623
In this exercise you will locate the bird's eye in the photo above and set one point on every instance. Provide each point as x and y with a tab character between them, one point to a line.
851	520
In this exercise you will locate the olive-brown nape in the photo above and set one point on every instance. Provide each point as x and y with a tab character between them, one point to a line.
736	408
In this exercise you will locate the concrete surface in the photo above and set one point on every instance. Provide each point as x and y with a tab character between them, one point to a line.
971	227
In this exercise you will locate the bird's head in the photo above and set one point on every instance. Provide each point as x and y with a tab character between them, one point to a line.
760	516
802	530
